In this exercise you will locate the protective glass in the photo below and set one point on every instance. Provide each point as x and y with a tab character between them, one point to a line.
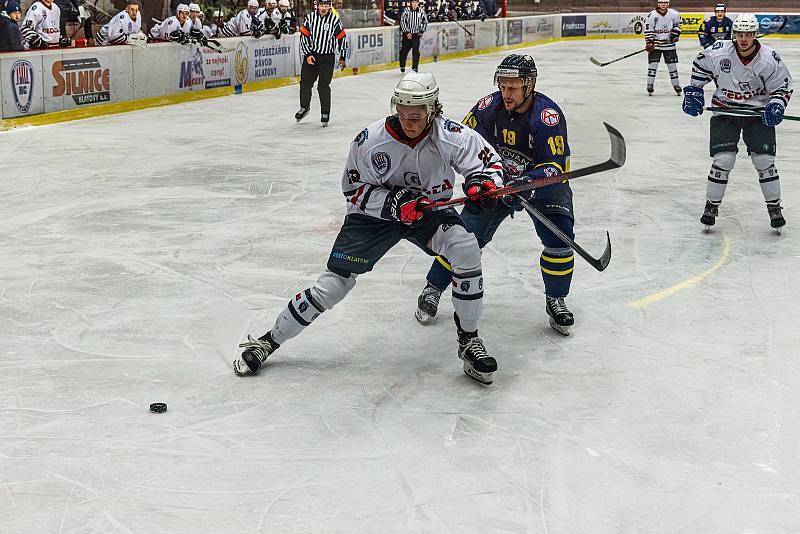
411	113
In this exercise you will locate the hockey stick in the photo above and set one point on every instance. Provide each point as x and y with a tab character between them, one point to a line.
215	45
463	28
616	160
598	263
597	62
748	113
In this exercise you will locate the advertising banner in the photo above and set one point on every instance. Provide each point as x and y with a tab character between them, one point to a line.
21	85
267	58
772	23
633	23
514	31
538	28
87	76
372	46
690	22
573	25
604	24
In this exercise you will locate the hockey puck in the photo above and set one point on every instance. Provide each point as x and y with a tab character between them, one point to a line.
158	407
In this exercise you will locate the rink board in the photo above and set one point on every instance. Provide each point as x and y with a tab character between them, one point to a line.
41	87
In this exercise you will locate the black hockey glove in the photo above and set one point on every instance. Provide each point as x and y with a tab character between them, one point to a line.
196	36
513	201
179	37
405	205
476	187
674	36
64	42
256	28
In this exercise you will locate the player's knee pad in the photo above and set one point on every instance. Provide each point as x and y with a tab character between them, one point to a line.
724	161
330	288
764	164
460	248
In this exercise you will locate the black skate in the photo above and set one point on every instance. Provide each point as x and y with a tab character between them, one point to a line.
650	90
428	304
776	219
256	352
478	365
710	214
325	119
561	318
678	89
301	114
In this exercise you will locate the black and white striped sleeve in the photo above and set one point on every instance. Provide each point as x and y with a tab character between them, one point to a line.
702	70
413	21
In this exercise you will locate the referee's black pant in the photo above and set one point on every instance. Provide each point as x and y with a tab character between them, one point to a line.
407	44
322	69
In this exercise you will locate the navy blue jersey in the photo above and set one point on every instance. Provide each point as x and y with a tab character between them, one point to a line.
712	30
533	144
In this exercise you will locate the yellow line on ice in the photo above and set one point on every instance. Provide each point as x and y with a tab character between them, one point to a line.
690	282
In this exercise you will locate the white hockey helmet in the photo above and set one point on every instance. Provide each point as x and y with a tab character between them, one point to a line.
417	89
194	7
744	23
283	3
182	7
272	3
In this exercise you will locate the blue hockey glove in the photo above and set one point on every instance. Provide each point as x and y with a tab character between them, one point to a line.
773	114
693	100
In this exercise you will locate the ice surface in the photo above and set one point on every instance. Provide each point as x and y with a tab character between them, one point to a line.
139	249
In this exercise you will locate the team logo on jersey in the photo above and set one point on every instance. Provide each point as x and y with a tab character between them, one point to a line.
725	65
411	179
22	84
484	102
550	117
775	56
451	126
361	137
241	63
382	163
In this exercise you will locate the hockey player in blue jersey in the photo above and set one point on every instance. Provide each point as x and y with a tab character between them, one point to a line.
716	28
529	132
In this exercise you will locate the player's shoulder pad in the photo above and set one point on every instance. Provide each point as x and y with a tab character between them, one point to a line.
362	136
122	15
452	126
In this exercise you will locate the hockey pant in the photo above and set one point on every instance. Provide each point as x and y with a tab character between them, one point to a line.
556	262
670	58
322	69
333	285
761	146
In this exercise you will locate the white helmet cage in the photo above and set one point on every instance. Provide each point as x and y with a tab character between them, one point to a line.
417	89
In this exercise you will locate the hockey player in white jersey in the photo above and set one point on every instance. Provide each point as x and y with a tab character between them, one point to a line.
395	169
242	22
124	27
662	29
40	28
194	17
748	76
176	28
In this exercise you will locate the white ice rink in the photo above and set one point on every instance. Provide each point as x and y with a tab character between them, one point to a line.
139	249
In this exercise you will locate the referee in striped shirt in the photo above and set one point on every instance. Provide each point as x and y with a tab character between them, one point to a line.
413	23
321	37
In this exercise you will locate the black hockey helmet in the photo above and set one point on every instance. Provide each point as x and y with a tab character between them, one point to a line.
516	66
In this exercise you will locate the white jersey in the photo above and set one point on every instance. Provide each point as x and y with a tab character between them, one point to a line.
162	31
197	24
44	22
238	25
764	79
208	31
380	161
119	28
658	27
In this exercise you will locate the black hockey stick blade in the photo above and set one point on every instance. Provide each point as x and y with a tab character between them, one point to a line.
617	159
598	263
599	64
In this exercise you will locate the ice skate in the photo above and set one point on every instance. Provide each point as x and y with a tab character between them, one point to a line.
650	90
710	214
428	304
561	318
325	119
256	352
776	219
478	365
301	114
678	89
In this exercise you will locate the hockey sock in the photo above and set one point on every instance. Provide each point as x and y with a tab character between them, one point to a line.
718	176
673	74
468	298
441	274
557	265
768	177
651	72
